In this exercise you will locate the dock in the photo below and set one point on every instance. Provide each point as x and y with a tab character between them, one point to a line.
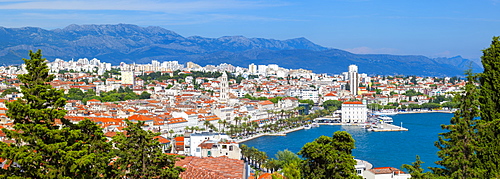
386	128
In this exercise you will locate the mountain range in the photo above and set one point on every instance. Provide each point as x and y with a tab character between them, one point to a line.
134	44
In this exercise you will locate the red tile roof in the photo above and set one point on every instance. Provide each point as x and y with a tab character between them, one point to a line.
353	102
386	170
210	167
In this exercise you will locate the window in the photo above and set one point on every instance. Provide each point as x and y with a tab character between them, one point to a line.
209	153
230	148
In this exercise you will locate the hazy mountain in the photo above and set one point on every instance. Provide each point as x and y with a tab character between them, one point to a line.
131	43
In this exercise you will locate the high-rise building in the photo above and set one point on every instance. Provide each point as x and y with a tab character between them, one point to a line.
252	68
353	79
128	77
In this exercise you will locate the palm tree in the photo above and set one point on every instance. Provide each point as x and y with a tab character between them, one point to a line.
206	124
237	119
220	122
212	126
281	112
244	127
255	126
171	132
269	113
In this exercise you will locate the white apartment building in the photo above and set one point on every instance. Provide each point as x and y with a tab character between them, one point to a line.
208	144
354	112
128	77
311	94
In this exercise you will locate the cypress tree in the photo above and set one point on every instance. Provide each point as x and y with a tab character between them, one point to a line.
489	125
458	145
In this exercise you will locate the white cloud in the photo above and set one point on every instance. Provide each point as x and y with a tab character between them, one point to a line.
137	5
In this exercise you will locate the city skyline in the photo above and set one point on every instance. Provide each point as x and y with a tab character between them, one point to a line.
433	29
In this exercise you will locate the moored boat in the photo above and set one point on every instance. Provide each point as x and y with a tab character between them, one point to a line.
385	112
385	119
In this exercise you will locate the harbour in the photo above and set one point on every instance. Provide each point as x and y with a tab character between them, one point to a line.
382	149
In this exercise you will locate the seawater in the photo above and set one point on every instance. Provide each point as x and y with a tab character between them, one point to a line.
382	149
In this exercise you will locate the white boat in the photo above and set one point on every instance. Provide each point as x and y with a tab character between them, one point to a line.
385	119
314	125
307	127
385	113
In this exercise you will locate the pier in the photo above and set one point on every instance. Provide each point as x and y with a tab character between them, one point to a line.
386	127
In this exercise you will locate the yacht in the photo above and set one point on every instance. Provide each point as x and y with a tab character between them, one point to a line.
307	126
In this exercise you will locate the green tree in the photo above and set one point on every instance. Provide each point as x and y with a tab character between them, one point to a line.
284	158
292	170
412	93
458	146
75	93
450	104
140	156
275	99
414	106
9	91
48	145
144	95
489	98
332	105
416	171
307	101
329	157
430	105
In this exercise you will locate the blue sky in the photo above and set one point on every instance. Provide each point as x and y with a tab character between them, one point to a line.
434	28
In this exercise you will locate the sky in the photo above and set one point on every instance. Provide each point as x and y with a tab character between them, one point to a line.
433	28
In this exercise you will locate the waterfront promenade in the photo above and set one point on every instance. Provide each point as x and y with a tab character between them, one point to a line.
282	133
426	111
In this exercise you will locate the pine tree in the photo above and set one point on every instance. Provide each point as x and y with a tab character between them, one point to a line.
329	157
415	169
46	144
489	125
140	156
458	145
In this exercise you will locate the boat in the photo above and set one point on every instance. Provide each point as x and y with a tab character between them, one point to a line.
385	119
314	125
307	126
385	113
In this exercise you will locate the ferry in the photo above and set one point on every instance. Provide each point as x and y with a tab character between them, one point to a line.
385	119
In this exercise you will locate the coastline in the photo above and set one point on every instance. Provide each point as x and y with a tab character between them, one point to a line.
302	127
418	112
269	134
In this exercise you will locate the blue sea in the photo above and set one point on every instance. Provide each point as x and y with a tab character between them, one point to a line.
382	149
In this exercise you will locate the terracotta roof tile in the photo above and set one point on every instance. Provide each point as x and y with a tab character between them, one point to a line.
209	167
